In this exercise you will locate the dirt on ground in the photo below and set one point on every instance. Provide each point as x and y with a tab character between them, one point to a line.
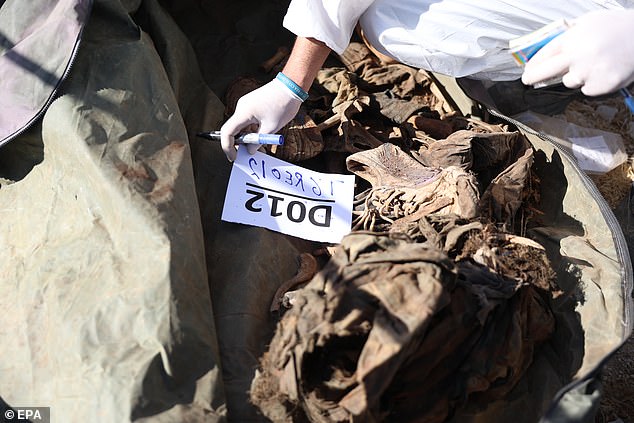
618	385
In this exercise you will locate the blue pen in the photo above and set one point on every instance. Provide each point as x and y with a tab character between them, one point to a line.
629	100
250	138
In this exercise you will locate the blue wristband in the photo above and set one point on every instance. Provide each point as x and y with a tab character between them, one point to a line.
296	89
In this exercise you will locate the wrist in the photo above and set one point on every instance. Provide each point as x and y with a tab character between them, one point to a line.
307	57
294	88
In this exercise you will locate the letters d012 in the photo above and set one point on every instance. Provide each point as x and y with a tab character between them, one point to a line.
295	211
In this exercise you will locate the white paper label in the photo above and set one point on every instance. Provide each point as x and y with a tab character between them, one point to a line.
593	154
267	192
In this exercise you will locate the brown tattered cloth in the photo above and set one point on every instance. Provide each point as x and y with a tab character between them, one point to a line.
429	306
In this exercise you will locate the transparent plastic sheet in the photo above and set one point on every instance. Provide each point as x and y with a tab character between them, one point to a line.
595	150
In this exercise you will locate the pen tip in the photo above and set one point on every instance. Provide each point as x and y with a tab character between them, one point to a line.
207	135
213	135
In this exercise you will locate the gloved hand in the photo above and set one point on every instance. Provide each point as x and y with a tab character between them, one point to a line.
596	54
264	110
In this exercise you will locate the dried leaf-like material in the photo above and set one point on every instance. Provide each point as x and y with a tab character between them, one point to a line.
239	87
394	330
402	187
302	139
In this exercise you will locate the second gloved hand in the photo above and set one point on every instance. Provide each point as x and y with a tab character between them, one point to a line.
596	54
268	108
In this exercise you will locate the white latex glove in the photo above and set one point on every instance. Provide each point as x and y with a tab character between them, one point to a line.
267	108
596	54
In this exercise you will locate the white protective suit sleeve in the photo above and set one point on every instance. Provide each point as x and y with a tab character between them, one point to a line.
329	21
453	37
